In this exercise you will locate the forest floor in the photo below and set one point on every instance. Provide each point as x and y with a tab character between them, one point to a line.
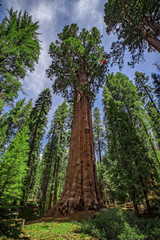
59	228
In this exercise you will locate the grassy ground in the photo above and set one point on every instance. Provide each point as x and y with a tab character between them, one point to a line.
107	224
62	227
55	230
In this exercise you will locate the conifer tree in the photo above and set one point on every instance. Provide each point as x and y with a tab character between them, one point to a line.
13	121
98	133
19	50
13	168
78	73
37	124
55	156
134	163
146	93
156	82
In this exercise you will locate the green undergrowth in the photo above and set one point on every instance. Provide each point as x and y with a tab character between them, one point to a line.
56	230
114	224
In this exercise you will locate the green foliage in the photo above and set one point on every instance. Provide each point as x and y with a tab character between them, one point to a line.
13	121
37	125
105	183
72	54
13	167
156	82
52	169
19	50
98	132
8	229
116	224
146	94
133	22
131	149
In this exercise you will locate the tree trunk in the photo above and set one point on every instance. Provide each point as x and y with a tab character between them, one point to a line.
81	186
56	183
135	204
146	196
99	150
152	40
50	201
154	26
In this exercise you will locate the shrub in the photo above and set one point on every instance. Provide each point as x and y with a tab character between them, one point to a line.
114	224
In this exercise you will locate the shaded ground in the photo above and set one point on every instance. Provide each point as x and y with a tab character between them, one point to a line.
77	216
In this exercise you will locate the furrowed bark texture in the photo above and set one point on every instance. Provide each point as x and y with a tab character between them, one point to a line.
81	186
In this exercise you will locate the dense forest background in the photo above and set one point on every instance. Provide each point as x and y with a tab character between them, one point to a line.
126	125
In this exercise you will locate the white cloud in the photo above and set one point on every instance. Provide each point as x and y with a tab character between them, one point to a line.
89	14
43	13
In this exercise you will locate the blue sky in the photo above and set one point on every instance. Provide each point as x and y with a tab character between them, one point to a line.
53	15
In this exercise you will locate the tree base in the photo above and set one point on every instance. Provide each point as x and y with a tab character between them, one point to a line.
68	208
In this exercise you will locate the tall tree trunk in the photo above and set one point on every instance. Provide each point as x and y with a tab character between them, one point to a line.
81	185
56	183
99	150
50	200
146	196
133	197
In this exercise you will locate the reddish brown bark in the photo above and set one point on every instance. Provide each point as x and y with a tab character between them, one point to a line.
81	186
154	26
151	39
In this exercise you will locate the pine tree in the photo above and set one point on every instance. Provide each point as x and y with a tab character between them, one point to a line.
13	121
134	163
146	93
78	73
37	124
13	168
98	133
19	50
55	157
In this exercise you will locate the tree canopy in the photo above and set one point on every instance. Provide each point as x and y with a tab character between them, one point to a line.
19	50
135	23
73	53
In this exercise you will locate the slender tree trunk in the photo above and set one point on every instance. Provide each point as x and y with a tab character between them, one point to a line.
50	201
151	99
43	208
146	197
81	185
135	204
56	183
44	193
99	149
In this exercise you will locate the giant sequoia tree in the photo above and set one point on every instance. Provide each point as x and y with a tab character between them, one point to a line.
78	72
135	23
